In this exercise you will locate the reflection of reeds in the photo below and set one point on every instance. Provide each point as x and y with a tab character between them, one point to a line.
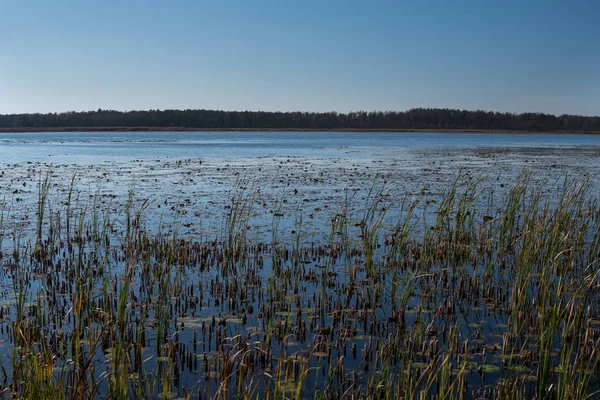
450	300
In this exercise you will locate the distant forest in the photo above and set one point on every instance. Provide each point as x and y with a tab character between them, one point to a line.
415	119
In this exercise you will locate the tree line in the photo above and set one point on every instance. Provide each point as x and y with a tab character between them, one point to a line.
418	118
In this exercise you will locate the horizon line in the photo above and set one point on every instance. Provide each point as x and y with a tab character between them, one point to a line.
299	111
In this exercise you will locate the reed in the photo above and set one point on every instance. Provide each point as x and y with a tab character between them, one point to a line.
457	297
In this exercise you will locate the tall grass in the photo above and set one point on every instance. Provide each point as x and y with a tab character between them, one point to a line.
406	298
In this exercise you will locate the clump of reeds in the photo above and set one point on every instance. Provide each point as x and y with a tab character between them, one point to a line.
406	298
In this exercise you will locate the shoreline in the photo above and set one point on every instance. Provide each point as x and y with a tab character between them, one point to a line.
184	129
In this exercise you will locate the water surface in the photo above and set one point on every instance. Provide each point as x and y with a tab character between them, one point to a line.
93	147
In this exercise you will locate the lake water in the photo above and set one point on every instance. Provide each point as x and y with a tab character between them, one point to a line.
192	174
322	311
94	147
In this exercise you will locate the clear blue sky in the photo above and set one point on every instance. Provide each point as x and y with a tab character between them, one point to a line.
515	56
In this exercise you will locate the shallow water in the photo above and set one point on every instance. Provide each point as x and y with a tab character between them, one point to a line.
191	175
190	179
94	147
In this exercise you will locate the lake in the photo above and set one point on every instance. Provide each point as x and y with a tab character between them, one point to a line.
198	264
94	147
317	169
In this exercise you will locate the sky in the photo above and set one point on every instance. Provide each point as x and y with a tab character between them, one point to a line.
283	55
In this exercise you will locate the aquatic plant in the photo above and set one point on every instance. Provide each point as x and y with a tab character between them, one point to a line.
408	297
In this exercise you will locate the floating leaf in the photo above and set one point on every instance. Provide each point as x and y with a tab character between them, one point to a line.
490	369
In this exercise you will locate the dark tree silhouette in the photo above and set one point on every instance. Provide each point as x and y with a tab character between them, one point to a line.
418	118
